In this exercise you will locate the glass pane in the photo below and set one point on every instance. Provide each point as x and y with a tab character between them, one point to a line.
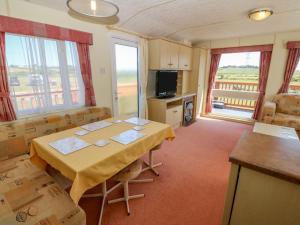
127	79
237	72
238	68
295	83
40	79
25	73
54	73
74	74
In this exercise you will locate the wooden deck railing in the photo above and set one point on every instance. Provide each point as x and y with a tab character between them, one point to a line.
237	86
241	86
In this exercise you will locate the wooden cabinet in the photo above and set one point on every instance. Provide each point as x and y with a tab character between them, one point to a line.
166	111
185	58
165	55
174	116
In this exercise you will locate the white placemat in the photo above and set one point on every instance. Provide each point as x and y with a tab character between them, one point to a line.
137	121
69	145
127	137
96	126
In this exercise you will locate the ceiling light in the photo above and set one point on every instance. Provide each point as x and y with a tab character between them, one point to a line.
93	8
260	14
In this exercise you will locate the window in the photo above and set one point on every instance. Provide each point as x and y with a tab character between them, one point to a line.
295	82
238	69
238	72
44	74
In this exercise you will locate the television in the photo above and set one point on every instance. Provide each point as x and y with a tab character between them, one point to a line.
166	84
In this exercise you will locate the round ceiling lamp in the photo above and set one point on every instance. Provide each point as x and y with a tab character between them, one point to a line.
260	14
93	8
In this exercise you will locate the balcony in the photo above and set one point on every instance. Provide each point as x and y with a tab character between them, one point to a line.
235	99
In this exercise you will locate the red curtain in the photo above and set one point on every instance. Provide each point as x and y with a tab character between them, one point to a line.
292	62
264	66
7	112
85	65
215	60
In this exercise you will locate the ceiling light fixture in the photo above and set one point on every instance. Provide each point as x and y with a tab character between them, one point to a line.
93	8
260	14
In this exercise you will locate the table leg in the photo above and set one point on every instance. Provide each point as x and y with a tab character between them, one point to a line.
104	194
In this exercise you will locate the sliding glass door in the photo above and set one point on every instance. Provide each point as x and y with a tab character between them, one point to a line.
125	78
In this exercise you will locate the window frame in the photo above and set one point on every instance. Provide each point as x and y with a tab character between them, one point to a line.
291	91
64	74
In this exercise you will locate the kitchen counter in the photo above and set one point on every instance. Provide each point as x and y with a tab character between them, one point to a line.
264	182
274	156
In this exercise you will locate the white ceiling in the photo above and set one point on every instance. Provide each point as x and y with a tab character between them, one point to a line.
198	20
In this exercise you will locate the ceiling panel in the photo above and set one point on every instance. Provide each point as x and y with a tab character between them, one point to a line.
197	20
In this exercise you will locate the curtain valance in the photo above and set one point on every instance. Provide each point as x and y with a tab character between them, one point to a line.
26	27
255	48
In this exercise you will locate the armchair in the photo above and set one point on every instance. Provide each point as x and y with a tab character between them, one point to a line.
283	110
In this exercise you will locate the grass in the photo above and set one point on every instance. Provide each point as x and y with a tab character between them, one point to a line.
238	74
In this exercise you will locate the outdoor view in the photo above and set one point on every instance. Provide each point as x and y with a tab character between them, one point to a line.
295	83
237	72
127	79
38	78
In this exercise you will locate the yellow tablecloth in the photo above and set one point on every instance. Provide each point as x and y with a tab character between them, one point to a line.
93	165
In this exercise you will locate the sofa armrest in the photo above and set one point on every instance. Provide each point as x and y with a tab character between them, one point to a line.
269	109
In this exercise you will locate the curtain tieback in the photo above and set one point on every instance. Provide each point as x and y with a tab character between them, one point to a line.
4	95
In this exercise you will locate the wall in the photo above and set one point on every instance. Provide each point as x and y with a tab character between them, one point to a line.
279	55
100	51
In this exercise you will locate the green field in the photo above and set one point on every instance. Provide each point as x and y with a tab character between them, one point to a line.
238	74
246	74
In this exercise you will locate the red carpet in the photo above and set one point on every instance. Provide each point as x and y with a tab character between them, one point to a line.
192	184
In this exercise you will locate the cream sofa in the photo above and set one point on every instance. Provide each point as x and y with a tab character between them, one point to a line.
29	195
283	110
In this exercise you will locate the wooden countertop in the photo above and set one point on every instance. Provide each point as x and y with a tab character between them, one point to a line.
267	154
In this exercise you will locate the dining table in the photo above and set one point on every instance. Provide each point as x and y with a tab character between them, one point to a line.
95	164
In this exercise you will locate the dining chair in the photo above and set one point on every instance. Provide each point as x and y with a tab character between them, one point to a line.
127	176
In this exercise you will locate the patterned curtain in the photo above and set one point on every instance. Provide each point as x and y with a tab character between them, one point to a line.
292	62
264	66
86	71
7	112
215	60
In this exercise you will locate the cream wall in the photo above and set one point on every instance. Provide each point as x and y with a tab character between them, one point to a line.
100	52
278	62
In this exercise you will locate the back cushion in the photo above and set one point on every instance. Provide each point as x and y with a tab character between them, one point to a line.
288	104
24	131
89	115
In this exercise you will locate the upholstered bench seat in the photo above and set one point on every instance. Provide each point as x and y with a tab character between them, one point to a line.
29	195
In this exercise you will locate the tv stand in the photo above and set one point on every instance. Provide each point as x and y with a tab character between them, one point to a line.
166	96
168	110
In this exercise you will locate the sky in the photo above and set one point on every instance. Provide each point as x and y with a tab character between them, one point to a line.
240	59
16	51
126	57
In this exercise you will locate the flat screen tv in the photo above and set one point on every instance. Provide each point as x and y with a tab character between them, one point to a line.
166	84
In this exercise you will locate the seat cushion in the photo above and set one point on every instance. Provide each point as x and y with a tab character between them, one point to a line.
282	119
130	172
30	196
